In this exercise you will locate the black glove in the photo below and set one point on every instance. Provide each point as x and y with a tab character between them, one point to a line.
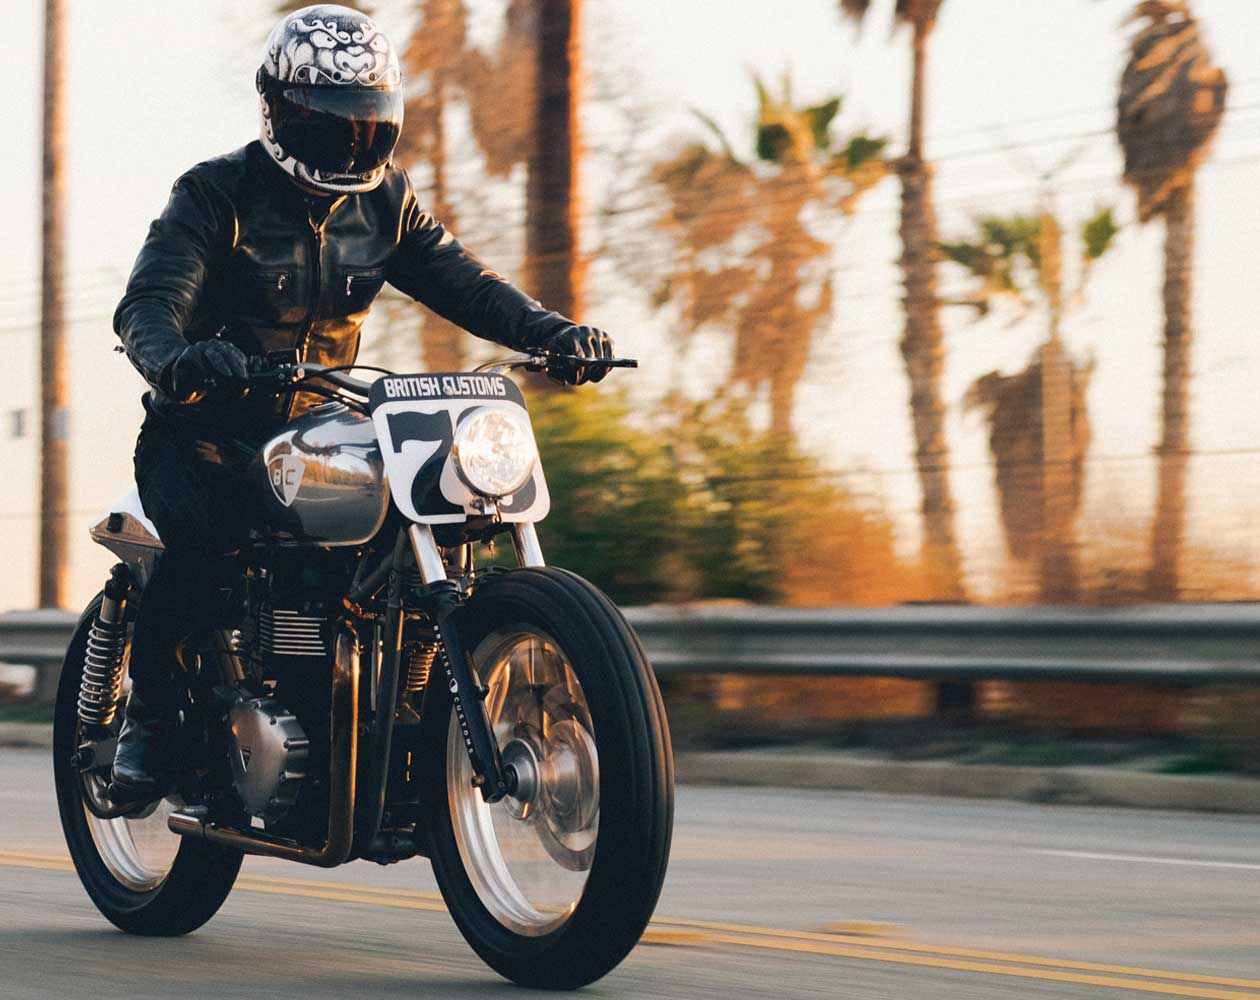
205	365
584	341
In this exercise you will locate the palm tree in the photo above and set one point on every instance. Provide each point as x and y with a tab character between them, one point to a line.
436	54
557	270
523	100
1171	102
922	347
772	286
1038	424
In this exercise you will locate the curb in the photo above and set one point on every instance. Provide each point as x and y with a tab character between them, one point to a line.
1093	786
1086	786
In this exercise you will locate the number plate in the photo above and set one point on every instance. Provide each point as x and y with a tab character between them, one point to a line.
415	418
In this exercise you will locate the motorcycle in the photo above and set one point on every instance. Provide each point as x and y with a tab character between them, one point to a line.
371	694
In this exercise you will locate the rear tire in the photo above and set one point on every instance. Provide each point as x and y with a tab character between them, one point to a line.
154	898
615	708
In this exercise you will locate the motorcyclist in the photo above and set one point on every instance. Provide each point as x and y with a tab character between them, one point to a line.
280	245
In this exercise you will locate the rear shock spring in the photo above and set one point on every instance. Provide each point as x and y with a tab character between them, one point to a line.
420	658
104	663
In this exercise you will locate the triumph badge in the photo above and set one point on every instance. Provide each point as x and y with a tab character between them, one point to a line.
285	473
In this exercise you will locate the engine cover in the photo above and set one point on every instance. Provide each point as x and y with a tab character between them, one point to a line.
269	754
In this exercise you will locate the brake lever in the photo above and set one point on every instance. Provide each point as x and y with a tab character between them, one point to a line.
282	375
542	362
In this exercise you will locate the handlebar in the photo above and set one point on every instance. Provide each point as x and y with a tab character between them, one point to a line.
546	362
264	376
268	377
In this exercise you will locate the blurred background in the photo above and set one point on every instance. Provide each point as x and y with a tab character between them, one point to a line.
936	302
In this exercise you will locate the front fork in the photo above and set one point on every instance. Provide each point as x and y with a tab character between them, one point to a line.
490	775
446	607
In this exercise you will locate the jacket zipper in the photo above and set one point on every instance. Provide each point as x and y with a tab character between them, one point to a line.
317	230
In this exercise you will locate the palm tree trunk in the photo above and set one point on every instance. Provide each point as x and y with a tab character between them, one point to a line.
53	395
441	342
921	345
556	271
1059	580
1168	530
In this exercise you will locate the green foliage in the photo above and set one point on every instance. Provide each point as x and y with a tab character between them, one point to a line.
1097	234
1001	246
863	150
994	252
614	494
774	142
820	118
705	508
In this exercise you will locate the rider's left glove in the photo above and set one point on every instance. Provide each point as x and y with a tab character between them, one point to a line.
585	342
206	365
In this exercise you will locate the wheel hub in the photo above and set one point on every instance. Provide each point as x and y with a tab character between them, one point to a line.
520	761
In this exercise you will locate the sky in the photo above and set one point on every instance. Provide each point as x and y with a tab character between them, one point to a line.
1017	88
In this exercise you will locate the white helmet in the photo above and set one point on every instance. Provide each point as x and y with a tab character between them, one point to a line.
331	95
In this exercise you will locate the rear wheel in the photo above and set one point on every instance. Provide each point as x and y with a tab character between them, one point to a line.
143	878
554	886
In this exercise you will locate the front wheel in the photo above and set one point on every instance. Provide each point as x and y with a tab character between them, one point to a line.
554	886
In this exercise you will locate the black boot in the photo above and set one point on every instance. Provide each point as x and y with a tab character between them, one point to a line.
142	759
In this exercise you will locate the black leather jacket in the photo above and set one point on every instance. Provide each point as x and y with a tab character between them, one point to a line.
242	253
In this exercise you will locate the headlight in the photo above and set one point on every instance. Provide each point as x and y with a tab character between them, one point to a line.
494	452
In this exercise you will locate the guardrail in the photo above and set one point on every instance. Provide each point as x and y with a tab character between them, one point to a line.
1175	645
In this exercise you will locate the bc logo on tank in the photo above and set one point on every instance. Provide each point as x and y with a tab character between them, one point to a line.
285	473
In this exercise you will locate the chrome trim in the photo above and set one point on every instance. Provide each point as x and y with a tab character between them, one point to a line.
528	855
525	540
428	555
505	365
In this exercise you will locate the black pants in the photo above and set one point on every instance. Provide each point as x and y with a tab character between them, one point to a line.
195	489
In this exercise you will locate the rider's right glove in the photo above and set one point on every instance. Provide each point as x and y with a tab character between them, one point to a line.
202	366
582	342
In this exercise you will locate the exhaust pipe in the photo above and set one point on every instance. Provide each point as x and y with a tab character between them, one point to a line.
343	764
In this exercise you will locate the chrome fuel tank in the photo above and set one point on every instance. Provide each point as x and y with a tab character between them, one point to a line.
322	479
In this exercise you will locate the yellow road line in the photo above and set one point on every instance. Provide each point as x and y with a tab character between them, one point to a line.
987	968
894	944
367	890
341	897
684	931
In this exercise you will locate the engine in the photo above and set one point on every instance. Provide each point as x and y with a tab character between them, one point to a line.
279	721
269	757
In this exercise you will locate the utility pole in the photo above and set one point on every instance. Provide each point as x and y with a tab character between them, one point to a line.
54	417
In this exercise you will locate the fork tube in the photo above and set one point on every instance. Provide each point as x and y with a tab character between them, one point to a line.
525	540
428	555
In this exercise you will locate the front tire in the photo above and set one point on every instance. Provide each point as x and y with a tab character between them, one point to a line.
144	879
555	891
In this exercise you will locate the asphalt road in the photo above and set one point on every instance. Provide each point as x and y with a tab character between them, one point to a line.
770	894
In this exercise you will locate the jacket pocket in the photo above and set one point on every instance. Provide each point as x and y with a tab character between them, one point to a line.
357	287
270	295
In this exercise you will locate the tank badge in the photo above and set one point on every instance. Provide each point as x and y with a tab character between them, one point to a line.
285	473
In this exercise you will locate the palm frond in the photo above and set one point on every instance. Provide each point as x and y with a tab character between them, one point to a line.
709	122
1172	98
918	12
1098	234
820	118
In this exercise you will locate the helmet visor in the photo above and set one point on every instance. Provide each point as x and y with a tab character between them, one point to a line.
344	130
